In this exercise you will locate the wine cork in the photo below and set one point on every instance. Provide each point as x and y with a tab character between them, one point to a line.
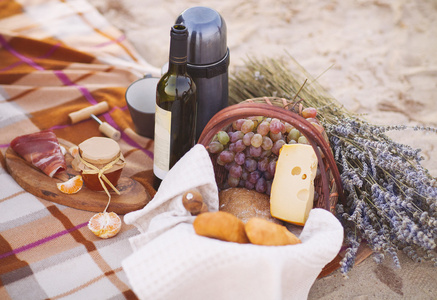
86	112
139	139
120	118
109	131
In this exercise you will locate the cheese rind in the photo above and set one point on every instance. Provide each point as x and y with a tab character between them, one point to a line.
292	193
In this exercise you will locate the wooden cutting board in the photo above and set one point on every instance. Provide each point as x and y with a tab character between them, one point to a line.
133	195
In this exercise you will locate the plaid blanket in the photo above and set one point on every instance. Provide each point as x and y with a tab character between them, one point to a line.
56	57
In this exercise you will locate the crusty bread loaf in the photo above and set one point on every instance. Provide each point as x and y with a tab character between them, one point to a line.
246	204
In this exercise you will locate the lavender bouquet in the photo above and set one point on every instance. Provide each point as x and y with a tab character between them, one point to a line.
390	197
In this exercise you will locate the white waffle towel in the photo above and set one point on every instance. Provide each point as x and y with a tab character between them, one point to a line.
170	261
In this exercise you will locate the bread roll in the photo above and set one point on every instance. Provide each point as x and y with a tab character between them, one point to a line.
263	232
246	204
220	225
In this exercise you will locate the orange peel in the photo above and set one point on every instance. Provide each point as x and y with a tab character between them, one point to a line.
105	225
71	186
73	150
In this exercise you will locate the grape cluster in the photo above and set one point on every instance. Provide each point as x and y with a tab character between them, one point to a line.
249	148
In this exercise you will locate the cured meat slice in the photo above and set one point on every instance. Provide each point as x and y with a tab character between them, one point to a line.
42	150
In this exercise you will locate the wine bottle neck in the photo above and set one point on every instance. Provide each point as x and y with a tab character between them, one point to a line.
178	49
179	69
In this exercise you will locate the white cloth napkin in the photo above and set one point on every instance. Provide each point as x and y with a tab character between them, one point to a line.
170	261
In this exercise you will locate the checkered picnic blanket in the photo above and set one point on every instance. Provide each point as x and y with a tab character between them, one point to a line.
56	57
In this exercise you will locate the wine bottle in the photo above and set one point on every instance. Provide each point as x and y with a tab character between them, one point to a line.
176	107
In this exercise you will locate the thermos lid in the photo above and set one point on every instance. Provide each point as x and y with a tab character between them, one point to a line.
206	35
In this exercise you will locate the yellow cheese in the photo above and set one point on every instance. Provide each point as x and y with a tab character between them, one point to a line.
292	193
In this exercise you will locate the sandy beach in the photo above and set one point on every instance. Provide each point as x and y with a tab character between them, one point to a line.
378	58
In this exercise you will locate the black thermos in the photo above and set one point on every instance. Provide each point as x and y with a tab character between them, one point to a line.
208	61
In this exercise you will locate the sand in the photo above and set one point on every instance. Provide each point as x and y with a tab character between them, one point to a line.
378	58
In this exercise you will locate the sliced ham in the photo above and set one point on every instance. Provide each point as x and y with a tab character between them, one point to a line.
42	150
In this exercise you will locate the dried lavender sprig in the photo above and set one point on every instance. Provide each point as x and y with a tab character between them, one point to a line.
398	174
391	198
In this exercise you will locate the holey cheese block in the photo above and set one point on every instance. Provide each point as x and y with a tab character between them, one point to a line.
292	191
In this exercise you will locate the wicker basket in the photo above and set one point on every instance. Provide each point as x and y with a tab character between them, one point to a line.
328	185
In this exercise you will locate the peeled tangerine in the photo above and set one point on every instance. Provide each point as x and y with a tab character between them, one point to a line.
71	186
105	225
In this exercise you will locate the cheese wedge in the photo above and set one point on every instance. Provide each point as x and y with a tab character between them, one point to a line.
292	193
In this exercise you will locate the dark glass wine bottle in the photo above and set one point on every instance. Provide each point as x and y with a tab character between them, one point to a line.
176	107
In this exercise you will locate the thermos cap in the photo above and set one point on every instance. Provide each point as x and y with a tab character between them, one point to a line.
207	42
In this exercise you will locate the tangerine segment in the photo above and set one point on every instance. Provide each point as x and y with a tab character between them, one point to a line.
105	225
71	186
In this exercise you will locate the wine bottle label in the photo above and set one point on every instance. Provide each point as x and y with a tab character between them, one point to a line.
161	158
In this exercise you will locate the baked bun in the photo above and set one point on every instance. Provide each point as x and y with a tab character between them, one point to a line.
246	204
220	225
263	232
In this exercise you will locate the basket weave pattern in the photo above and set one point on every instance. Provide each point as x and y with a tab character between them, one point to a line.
328	185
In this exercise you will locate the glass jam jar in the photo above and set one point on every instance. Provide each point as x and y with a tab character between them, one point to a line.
99	155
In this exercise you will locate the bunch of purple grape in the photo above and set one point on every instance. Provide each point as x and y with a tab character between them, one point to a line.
249	149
